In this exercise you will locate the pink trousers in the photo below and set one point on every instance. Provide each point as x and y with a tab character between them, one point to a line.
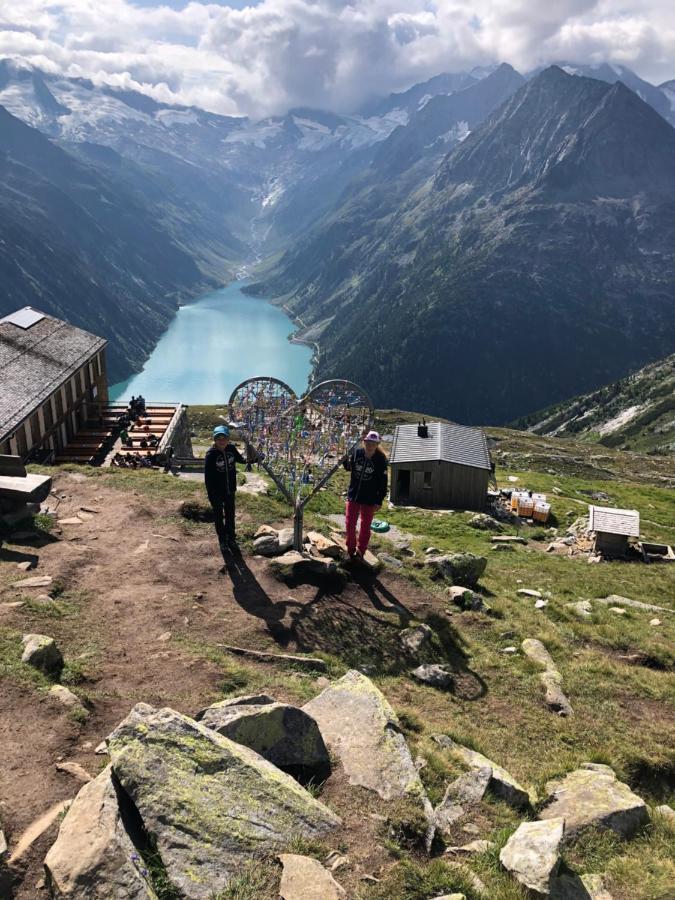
353	511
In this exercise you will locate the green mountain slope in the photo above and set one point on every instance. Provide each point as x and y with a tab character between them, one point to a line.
636	412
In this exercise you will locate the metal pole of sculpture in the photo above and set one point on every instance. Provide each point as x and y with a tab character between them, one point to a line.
300	441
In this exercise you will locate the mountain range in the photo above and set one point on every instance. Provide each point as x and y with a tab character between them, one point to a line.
480	245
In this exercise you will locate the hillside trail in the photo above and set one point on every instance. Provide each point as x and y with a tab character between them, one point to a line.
153	601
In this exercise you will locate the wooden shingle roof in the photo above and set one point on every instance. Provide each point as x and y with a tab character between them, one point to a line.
447	442
614	521
38	354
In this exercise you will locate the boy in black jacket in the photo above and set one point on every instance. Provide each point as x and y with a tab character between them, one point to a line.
220	477
367	490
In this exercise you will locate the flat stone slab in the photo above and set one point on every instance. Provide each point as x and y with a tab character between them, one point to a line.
465	791
304	878
592	796
36	581
501	783
27	489
93	857
209	803
532	854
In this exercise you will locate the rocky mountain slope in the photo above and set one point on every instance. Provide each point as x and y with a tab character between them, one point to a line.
535	263
86	246
637	412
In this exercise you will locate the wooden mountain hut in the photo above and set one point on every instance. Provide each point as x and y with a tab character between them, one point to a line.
612	528
440	465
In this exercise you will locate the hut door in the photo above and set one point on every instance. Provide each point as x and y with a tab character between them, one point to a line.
403	483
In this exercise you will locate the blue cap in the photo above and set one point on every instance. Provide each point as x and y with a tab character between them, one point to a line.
221	429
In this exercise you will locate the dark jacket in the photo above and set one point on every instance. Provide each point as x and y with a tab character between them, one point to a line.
220	471
368	483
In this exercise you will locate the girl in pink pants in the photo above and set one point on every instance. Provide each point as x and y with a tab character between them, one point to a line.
367	490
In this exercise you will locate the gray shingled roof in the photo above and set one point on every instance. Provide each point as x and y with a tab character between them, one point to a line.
447	441
35	361
614	521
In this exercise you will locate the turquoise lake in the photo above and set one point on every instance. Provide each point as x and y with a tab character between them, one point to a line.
213	344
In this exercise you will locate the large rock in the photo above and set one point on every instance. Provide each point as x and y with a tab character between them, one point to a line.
209	803
304	878
41	652
501	784
458	568
266	545
285	735
593	796
532	853
325	546
361	728
579	887
434	674
93	857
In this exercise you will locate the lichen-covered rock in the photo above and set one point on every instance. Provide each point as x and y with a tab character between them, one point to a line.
93	857
284	735
41	652
532	853
304	878
501	784
67	698
484	522
458	568
266	545
361	728
243	700
593	796
208	802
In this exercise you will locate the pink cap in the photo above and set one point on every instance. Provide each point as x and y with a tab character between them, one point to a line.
372	436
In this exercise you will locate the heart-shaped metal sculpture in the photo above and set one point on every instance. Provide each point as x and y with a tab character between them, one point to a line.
300	441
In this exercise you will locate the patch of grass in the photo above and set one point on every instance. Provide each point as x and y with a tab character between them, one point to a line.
406	826
259	880
42	522
409	880
11	666
155	871
646	868
308	847
410	721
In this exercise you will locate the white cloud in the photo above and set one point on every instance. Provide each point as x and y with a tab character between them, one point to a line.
264	58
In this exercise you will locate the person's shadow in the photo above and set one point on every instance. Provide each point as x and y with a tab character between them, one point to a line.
253	599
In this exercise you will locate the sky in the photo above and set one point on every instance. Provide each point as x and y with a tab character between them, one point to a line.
264	57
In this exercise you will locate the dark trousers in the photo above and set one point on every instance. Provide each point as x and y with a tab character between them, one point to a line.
223	510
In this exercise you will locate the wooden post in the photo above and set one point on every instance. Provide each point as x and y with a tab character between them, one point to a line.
298	518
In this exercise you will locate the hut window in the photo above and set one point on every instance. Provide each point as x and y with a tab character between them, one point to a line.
427	479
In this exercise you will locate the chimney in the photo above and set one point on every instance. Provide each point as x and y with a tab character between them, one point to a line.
422	429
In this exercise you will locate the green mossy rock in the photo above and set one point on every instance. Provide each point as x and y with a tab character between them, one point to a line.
284	735
209	803
458	568
592	796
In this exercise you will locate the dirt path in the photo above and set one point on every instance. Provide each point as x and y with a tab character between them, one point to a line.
152	604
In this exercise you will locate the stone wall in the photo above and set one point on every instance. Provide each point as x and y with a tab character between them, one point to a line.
177	435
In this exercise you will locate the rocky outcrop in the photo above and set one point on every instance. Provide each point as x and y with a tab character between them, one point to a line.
208	802
304	878
501	783
457	568
550	678
532	853
93	857
593	796
41	652
284	735
361	728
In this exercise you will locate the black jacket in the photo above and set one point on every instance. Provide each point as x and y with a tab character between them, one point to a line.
220	471
368	483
